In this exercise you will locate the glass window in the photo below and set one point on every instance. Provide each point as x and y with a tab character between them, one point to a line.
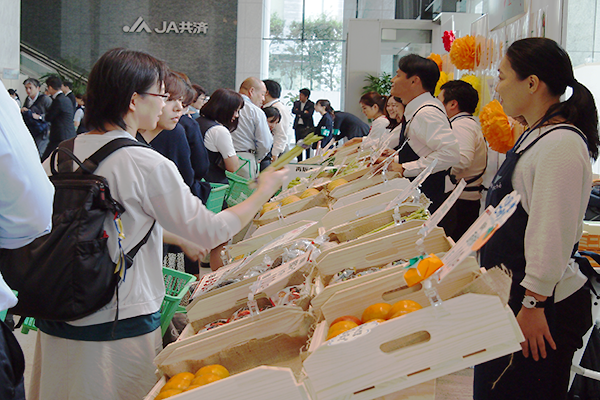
304	41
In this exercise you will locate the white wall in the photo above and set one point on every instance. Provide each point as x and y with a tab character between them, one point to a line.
10	28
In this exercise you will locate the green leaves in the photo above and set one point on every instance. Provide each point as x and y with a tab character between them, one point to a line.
381	84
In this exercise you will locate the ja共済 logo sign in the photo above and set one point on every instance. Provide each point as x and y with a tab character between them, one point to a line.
192	27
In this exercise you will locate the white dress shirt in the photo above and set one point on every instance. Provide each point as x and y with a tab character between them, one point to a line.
253	132
473	152
430	136
283	134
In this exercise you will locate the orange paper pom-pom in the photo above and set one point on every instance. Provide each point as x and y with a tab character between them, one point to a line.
496	127
436	58
462	53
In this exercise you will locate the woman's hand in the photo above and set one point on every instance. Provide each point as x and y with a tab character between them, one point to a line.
535	329
270	181
192	250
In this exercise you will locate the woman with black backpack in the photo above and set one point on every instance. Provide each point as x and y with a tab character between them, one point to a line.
94	357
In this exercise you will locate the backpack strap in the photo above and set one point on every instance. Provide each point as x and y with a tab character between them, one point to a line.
92	162
129	256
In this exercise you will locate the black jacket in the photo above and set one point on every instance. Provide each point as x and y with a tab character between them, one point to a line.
350	125
60	115
306	114
71	96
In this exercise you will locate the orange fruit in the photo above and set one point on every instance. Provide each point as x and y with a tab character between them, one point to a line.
215	369
167	393
403	307
178	382
338	182
309	193
268	207
347	318
340	327
289	200
205	379
376	320
376	311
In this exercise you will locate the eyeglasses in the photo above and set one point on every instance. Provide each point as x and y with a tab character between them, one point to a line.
164	97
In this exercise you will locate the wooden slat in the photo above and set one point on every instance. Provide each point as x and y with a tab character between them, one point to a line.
352	192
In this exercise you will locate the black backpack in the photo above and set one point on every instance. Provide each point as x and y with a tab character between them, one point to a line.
68	274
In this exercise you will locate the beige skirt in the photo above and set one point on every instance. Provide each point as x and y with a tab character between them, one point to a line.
75	370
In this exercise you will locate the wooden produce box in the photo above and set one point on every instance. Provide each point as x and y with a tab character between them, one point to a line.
263	359
373	253
357	185
312	214
377	186
374	359
319	200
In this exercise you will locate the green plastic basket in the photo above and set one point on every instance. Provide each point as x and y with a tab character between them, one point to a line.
28	325
239	189
177	283
217	195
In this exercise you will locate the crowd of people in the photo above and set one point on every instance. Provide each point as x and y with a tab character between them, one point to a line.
194	138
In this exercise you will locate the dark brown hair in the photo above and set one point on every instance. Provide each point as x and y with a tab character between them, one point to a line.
373	98
221	106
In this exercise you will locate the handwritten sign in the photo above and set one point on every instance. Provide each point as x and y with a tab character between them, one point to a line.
479	233
278	274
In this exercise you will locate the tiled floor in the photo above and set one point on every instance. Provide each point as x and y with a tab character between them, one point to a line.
456	386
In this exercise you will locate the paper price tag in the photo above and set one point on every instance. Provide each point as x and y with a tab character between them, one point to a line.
352	334
413	186
441	212
276	275
209	281
479	233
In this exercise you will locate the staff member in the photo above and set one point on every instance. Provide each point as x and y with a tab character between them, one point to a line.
549	166
426	134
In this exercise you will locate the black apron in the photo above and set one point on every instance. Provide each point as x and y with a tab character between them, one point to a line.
434	185
527	379
216	169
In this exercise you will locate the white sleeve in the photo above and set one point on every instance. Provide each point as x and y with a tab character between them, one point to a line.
431	128
78	115
280	139
467	141
170	201
263	136
218	139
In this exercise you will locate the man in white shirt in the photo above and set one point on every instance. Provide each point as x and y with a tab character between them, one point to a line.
426	135
460	101
252	139
25	214
283	135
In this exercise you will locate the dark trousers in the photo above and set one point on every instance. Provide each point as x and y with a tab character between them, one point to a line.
546	379
460	218
12	366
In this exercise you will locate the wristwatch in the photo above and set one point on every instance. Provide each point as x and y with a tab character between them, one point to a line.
532	302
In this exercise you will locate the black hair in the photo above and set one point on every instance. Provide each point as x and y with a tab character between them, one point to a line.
221	107
373	98
463	92
305	92
113	80
54	82
199	90
13	92
274	88
272	112
426	69
33	81
548	61
68	84
393	122
327	106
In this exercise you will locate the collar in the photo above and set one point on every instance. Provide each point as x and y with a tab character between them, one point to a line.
459	115
269	104
417	102
56	94
247	99
35	98
70	91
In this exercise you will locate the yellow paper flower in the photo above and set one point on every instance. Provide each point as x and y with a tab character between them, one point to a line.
462	53
476	83
443	79
436	58
496	127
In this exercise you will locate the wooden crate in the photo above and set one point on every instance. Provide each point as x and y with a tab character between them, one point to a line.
376	186
312	214
319	200
263	359
378	359
360	184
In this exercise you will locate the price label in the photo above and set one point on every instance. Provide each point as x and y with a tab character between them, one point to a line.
479	233
278	274
418	181
209	281
353	334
